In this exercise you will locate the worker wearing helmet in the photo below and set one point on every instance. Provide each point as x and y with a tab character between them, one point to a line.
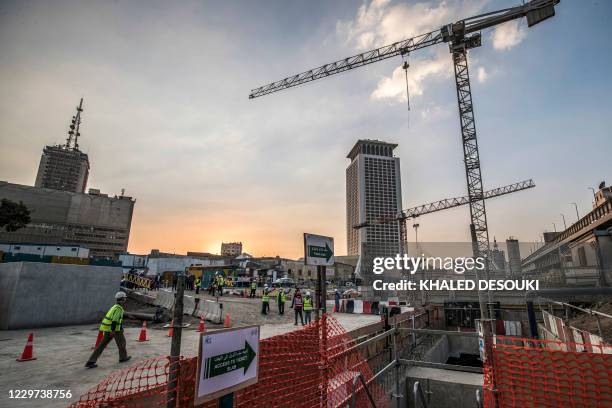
265	300
307	308
112	327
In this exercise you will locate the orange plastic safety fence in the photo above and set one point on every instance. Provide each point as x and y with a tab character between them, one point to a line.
541	373
298	369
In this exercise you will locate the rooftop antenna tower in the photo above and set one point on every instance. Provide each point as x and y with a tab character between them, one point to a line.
72	142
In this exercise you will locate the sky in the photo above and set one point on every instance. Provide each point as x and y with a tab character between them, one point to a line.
167	115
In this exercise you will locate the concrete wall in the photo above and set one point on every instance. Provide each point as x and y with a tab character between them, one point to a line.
36	294
448	389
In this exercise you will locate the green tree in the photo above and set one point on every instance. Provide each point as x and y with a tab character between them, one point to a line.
13	216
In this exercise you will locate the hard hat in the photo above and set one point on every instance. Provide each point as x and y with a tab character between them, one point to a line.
266	285
120	295
307	293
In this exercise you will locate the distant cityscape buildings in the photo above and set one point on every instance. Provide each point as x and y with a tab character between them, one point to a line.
231	249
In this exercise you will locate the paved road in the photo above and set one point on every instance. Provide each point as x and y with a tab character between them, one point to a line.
62	351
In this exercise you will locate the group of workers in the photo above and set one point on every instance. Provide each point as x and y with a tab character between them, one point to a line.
301	305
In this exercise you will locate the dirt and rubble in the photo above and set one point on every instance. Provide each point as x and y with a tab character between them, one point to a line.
588	322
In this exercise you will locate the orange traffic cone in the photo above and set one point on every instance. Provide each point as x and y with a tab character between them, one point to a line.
228	321
201	327
98	339
28	350
143	332
170	331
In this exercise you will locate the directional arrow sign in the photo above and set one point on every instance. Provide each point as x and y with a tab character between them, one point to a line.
315	251
228	362
318	250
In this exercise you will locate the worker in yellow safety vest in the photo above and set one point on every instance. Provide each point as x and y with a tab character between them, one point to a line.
307	308
112	327
253	289
281	298
265	300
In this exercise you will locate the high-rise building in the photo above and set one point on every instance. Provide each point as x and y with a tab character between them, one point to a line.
373	190
515	268
232	249
65	167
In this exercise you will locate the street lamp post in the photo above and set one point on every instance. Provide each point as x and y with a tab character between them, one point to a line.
577	215
593	190
564	225
554	227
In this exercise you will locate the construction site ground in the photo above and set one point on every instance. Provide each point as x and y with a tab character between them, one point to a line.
61	352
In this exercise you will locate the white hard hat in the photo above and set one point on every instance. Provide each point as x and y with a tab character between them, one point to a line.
266	285
120	295
307	293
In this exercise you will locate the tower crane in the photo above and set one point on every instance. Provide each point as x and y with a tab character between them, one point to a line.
410	213
461	36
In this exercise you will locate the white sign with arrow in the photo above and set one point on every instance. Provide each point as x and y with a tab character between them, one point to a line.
318	250
227	362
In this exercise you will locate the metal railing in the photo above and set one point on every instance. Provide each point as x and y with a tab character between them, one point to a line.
359	377
419	396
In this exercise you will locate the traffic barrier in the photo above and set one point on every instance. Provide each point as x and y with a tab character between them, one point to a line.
165	299
98	339
367	307
209	310
138	280
28	350
350	304
228	321
189	305
143	332
201	327
375	309
300	370
357	306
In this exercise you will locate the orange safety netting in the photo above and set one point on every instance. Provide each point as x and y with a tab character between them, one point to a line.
299	369
540	373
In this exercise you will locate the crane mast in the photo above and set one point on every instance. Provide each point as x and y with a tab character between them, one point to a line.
461	36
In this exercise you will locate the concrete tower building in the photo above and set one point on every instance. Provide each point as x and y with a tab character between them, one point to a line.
373	190
514	258
65	167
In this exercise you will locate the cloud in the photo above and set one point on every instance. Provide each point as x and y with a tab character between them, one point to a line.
394	87
481	74
508	35
379	23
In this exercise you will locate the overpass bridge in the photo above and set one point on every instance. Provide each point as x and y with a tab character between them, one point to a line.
581	255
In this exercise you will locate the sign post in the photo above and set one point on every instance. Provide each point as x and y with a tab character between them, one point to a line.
319	252
227	362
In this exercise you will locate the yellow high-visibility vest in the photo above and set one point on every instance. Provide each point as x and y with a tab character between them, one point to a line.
115	314
307	304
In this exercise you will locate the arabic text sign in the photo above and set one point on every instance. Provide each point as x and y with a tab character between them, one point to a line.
227	361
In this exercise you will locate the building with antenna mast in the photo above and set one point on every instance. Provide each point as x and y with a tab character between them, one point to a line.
65	167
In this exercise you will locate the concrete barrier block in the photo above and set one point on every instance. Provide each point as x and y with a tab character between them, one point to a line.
188	305
165	299
209	310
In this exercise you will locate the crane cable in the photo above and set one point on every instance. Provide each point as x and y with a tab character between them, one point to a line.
405	67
